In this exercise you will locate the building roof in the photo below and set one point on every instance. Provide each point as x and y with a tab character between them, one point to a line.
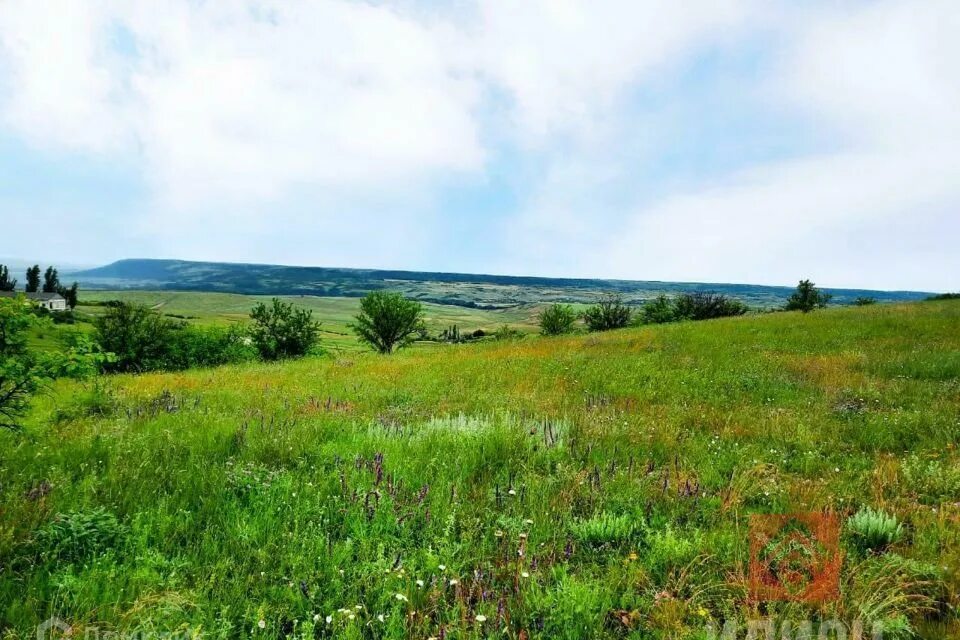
39	295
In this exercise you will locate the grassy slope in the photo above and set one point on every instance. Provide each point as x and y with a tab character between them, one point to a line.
634	459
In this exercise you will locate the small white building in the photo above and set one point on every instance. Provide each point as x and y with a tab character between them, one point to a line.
49	301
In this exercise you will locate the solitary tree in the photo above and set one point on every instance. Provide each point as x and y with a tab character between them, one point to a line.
33	279
6	284
609	313
282	330
388	321
51	281
807	298
557	319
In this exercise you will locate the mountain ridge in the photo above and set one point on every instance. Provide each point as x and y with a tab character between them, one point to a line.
462	289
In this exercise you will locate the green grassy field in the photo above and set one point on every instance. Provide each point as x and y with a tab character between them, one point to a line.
595	486
333	313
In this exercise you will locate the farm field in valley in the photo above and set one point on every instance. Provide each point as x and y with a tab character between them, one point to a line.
333	313
590	486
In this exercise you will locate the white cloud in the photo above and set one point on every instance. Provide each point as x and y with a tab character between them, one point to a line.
226	102
233	110
567	63
879	82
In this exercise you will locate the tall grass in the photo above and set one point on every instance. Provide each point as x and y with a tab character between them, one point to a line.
571	487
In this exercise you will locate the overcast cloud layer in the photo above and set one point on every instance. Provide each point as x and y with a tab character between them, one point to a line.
722	140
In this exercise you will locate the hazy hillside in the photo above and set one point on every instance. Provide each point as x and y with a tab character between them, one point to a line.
445	288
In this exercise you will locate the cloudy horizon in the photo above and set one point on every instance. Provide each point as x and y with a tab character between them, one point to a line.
728	141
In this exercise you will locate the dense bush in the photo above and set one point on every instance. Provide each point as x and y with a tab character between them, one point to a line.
282	330
690	306
863	301
194	346
388	321
609	313
807	297
706	306
657	311
557	319
143	340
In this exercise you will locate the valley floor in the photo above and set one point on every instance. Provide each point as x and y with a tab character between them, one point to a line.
596	486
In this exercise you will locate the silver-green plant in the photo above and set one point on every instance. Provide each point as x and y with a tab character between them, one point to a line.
873	531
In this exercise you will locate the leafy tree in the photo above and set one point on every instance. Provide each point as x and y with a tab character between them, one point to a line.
657	311
23	371
51	281
282	330
139	338
15	319
706	306
388	321
69	294
33	279
609	313
557	319
807	298
863	301
6	284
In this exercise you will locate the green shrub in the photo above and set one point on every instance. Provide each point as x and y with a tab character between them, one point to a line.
873	530
604	529
657	311
281	330
506	332
78	535
139	338
863	301
143	340
609	313
557	319
706	306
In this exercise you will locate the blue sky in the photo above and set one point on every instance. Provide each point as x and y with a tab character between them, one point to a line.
731	140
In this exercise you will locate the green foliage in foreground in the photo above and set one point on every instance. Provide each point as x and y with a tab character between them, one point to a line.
387	321
557	319
23	371
593	486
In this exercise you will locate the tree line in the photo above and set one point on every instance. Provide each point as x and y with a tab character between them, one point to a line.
610	312
51	283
